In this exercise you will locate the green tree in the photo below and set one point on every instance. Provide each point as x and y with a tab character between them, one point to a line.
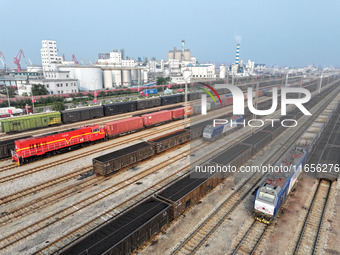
39	89
80	94
102	94
58	106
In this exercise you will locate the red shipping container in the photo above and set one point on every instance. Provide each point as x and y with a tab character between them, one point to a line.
259	93
177	113
156	117
117	127
228	100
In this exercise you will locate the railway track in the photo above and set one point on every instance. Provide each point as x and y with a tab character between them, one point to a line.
36	228
196	239
251	238
75	234
308	239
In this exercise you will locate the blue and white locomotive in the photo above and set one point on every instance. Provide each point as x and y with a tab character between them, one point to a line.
211	132
272	194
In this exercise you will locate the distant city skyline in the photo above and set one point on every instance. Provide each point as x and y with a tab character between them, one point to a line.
292	33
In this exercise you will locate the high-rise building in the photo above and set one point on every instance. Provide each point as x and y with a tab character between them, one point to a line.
49	54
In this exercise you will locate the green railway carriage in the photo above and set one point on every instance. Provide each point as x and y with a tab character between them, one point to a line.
15	124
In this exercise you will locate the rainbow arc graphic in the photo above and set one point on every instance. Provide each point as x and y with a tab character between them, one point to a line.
209	93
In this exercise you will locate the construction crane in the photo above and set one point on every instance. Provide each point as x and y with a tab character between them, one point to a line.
17	60
74	59
2	59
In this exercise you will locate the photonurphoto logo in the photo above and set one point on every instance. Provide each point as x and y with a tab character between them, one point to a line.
238	101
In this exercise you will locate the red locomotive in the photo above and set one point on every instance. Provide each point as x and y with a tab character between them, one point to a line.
29	148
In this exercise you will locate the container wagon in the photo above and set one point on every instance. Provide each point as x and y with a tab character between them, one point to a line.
40	120
125	233
177	113
75	115
121	127
117	108
156	118
116	160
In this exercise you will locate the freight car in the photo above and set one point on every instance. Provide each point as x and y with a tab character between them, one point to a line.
116	160
148	103
121	127
118	108
156	118
30	148
125	233
173	99
15	124
80	114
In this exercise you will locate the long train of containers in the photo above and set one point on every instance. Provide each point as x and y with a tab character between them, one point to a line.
174	198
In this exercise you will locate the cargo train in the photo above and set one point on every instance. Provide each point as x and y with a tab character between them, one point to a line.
124	126
28	149
36	121
272	194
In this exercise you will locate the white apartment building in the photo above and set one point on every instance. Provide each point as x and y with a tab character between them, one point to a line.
49	54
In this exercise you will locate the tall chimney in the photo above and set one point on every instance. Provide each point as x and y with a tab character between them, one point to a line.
237	60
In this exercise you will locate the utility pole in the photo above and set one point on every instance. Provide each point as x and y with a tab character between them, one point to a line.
9	105
320	82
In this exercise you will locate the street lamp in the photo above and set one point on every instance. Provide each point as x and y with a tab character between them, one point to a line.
186	76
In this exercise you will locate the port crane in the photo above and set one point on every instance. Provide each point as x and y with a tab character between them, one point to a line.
17	60
74	59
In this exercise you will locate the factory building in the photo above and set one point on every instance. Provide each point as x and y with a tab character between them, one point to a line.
202	71
115	59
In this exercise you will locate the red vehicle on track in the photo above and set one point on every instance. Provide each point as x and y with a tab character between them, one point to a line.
124	126
29	148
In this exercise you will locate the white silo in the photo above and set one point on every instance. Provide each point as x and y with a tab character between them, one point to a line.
117	77
134	76
145	76
107	79
126	77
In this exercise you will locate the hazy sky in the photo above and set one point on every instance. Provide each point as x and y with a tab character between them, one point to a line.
287	32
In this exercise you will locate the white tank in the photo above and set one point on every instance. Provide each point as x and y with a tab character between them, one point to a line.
117	78
107	79
134	76
145	76
126	77
187	55
222	72
139	76
90	77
